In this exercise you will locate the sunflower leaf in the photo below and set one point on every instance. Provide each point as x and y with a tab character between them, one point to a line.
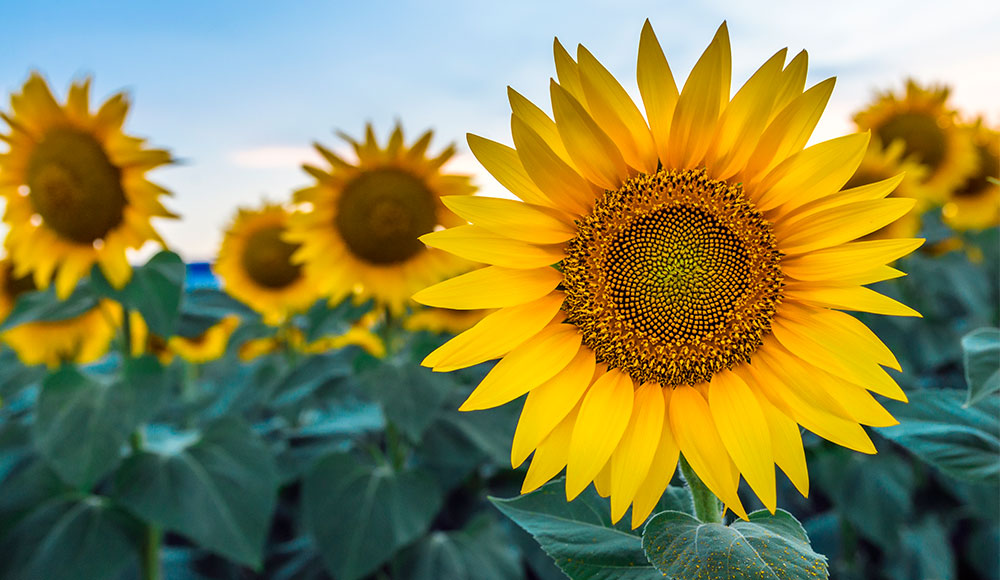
361	513
579	534
155	290
70	537
479	551
219	491
963	442
43	306
410	395
766	546
324	320
981	350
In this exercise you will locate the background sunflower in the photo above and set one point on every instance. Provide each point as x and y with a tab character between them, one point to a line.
75	186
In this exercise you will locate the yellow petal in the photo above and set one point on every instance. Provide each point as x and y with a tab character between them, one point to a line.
481	245
847	259
661	470
843	329
496	334
856	298
814	173
505	166
696	435
552	454
568	73
560	182
788	133
632	458
743	120
520	221
532	363
793	80
490	287
604	414
602	481
78	100
744	431
615	112
657	88
703	97
539	122
548	403
786	442
593	152
839	225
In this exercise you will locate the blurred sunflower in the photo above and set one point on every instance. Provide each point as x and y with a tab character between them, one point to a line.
975	204
880	164
442	320
293	338
80	339
255	265
208	346
75	186
924	122
674	287
361	234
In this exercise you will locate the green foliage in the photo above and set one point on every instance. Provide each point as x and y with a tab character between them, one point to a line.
479	551
219	491
767	546
42	306
361	512
579	535
981	350
155	290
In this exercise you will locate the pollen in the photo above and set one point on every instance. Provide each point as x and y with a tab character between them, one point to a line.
673	277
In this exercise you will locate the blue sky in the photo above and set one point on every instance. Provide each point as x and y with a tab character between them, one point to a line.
239	90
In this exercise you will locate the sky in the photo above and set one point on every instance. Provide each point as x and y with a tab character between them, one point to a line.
238	91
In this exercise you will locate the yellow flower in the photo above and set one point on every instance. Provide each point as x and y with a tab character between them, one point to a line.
674	286
360	235
293	338
880	164
255	265
925	124
75	186
81	339
207	346
442	320
975	204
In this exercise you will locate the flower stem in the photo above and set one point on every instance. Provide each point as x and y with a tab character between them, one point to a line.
150	557
707	507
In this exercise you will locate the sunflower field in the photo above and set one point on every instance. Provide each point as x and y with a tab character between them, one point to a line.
691	343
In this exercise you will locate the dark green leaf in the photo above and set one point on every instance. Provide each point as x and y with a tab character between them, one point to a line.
928	553
82	424
766	547
963	442
361	513
410	395
220	491
307	376
579	535
322	320
15	376
480	551
44	306
155	290
83	538
981	350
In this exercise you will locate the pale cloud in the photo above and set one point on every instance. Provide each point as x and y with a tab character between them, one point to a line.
274	157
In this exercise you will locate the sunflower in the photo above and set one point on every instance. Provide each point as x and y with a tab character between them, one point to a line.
880	164
80	339
293	338
924	122
442	320
255	264
675	286
975	204
361	234
207	346
75	186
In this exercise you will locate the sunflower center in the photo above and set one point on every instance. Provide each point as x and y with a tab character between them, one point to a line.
989	166
381	213
673	277
921	133
74	186
267	258
14	286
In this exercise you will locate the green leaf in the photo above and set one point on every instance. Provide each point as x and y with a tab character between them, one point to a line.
479	551
204	307
457	442
43	306
981	353
155	290
220	492
927	552
361	513
83	538
82	423
579	535
766	547
963	442
307	376
322	320
410	395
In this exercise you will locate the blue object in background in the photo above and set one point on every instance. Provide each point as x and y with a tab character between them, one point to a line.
200	275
